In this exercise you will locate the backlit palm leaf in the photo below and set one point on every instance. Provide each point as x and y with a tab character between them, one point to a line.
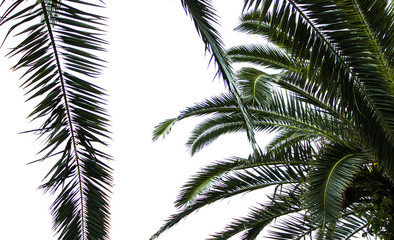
204	17
57	55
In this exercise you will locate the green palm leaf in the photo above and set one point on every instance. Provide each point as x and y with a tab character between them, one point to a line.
333	173
260	217
227	185
297	226
256	85
57	54
204	16
223	103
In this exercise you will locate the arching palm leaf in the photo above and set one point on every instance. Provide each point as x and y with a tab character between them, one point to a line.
227	179
332	174
284	204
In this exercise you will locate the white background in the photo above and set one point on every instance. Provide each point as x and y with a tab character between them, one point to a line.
156	68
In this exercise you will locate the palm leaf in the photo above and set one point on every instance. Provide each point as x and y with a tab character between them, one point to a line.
331	105
204	16
259	217
296	227
267	55
349	226
256	85
223	103
333	173
57	54
225	179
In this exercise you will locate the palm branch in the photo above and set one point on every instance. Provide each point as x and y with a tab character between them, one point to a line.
204	17
58	56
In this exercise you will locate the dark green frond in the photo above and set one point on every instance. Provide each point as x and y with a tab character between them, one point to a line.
297	226
348	226
163	128
204	179
223	103
256	85
259	217
265	55
58	56
212	128
204	16
333	172
228	181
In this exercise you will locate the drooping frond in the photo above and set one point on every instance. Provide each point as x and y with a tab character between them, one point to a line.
58	55
333	172
227	186
265	55
349	226
204	18
287	154
204	179
225	179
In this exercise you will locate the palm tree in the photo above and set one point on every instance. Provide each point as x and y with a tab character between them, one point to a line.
331	106
57	53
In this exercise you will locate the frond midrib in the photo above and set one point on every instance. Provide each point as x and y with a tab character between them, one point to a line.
376	47
69	118
329	179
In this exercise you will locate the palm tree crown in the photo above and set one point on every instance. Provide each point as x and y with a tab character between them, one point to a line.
330	105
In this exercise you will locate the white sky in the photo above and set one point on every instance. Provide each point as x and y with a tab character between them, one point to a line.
156	68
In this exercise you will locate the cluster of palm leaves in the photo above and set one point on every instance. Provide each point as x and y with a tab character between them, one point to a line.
330	104
57	50
60	42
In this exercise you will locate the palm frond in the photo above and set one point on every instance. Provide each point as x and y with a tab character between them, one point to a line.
265	55
58	56
204	179
349	226
285	112
204	16
331	107
333	173
256	86
222	103
296	227
223	180
211	129
260	217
